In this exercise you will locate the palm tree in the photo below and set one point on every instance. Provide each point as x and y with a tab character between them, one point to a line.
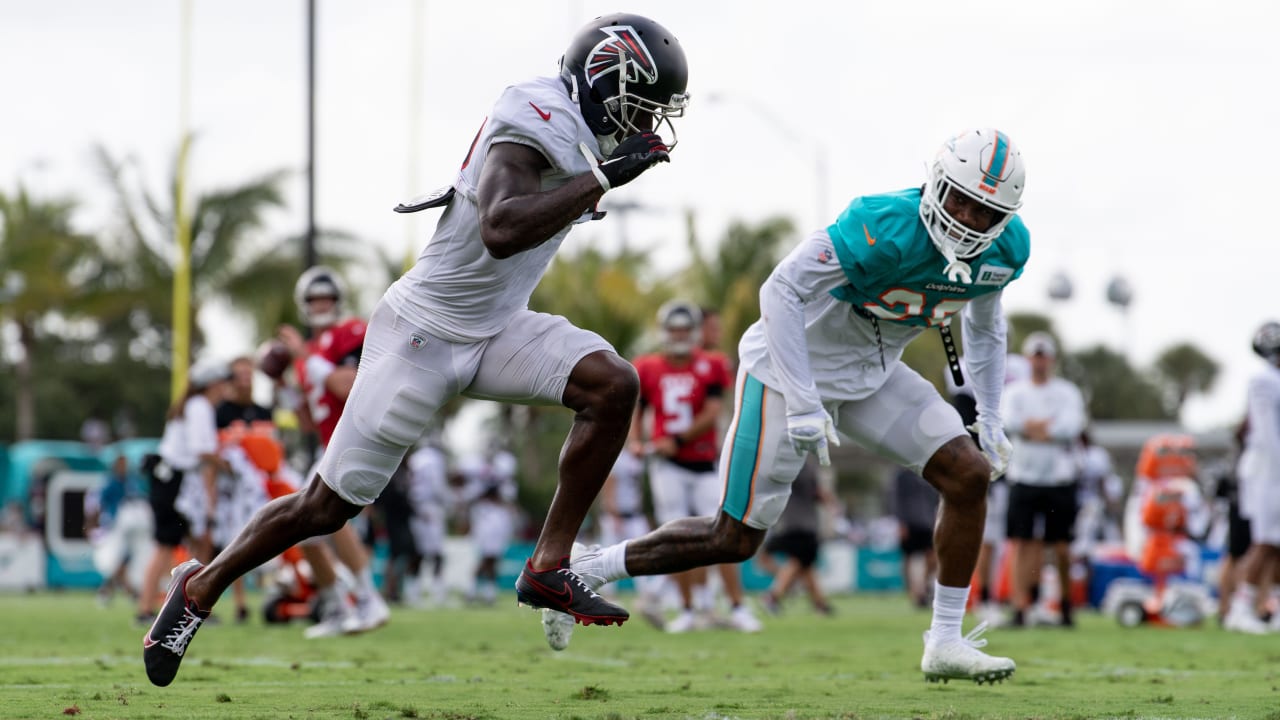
1185	369
729	278
47	266
231	258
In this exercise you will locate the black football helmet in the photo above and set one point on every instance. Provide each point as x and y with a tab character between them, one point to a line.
319	281
1266	342
621	67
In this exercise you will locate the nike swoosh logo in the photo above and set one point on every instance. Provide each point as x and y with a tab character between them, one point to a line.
543	115
870	240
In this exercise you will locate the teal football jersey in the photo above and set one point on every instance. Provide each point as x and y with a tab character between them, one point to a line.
894	270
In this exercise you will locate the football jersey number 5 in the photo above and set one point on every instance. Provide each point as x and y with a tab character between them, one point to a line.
677	408
913	304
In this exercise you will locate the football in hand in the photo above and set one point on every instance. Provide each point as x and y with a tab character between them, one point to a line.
274	358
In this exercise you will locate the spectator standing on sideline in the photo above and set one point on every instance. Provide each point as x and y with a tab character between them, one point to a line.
184	467
119	526
796	537
1259	471
914	503
1044	416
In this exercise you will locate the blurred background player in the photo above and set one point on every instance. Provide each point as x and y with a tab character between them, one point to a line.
1044	416
622	517
428	501
796	536
489	492
250	452
183	479
325	367
1259	472
914	503
681	395
118	525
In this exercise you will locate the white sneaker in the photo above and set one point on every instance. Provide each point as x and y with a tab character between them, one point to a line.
992	614
335	614
683	623
1240	619
557	627
962	660
743	620
371	613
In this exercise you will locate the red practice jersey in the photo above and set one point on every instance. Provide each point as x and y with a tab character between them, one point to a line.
338	346
677	394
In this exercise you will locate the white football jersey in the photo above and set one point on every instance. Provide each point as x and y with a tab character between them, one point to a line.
456	290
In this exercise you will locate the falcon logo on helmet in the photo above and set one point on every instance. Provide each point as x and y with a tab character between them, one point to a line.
623	52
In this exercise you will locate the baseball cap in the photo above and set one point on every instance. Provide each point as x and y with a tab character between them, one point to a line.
1039	343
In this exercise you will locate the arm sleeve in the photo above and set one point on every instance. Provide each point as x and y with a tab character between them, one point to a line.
801	278
984	350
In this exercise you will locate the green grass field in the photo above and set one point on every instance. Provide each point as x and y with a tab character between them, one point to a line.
63	655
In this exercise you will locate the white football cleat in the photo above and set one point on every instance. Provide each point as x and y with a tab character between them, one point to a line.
962	660
371	613
557	627
743	620
335	614
683	623
1241	619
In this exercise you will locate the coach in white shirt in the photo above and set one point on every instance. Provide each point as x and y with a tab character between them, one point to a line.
1044	415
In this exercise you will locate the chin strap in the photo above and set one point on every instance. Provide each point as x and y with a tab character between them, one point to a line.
957	270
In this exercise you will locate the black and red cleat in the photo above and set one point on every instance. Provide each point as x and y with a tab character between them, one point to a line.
563	590
166	642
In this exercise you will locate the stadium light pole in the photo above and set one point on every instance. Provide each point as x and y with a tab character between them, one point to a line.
811	144
309	246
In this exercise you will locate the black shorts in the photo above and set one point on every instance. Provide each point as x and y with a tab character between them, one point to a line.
918	540
799	544
170	525
1239	536
1055	505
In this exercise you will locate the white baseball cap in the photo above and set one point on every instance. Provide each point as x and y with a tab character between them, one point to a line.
1039	343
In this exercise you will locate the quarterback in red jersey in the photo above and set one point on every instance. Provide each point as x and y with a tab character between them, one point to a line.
326	369
681	392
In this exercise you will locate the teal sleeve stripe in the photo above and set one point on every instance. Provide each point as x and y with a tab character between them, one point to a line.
745	454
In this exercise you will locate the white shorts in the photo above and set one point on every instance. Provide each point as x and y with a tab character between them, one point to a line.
616	528
427	527
128	538
1264	518
905	421
491	528
406	374
993	531
680	493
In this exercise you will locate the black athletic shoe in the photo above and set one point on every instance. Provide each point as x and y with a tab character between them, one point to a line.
561	589
175	625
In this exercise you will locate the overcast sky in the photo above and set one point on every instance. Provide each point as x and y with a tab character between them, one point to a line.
1148	127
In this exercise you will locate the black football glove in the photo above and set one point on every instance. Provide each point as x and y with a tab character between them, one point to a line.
633	156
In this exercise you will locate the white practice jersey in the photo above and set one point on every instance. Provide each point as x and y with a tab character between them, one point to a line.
1259	465
457	290
1051	462
839	356
428	480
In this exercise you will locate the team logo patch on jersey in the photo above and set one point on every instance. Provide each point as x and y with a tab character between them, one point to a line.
825	256
417	342
993	275
624	52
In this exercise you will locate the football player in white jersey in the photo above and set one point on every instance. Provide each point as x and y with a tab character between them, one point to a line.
458	323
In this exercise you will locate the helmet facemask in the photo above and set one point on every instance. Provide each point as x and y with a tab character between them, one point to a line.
628	75
319	282
677	315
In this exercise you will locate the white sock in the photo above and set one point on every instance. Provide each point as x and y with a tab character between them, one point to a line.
1245	598
948	612
364	579
613	562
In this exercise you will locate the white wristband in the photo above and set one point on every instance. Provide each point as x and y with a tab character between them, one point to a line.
595	167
